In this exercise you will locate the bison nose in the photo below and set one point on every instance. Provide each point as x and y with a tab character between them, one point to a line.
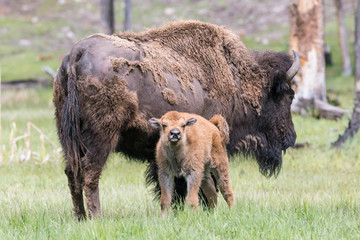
174	135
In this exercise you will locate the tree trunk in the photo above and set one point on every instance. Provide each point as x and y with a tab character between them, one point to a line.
354	122
344	46
107	16
127	21
1	148
307	38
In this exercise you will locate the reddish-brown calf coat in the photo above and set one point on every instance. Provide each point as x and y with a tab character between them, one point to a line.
199	153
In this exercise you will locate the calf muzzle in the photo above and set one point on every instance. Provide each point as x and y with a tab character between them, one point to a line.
174	135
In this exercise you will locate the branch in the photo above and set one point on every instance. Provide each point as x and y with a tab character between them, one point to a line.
48	70
353	127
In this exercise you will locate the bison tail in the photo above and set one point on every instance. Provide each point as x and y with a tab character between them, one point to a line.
70	136
220	122
151	177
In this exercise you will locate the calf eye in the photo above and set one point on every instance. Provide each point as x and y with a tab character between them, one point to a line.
164	125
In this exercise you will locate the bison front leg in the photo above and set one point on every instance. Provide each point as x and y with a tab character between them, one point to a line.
76	194
166	182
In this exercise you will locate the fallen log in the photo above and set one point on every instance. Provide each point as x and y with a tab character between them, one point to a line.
320	109
301	145
26	83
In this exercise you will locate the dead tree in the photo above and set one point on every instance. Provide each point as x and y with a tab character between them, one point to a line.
354	122
307	38
1	149
127	20
343	39
107	16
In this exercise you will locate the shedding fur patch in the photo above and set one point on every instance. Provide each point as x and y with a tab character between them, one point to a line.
214	55
118	42
169	96
109	105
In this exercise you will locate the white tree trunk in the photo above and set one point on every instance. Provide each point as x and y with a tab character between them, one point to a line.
307	38
343	39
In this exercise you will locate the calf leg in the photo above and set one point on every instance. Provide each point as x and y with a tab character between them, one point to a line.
193	181
209	190
221	173
76	194
167	187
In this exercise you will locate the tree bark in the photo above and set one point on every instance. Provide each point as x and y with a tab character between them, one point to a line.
1	148
354	122
307	38
107	16
127	20
344	45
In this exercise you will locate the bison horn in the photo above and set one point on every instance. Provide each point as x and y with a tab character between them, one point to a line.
290	74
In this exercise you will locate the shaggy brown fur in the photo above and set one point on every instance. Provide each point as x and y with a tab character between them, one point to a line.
198	47
108	86
191	147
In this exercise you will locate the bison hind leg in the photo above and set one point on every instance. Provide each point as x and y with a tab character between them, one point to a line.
94	162
76	194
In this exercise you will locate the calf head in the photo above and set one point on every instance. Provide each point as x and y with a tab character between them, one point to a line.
172	127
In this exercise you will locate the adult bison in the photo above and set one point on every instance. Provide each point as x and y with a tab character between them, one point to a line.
109	86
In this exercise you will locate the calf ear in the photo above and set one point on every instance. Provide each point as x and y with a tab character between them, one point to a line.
154	122
191	121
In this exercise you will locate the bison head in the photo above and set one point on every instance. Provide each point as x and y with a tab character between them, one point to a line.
272	131
172	128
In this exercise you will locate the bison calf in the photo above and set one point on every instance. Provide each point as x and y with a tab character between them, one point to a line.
194	148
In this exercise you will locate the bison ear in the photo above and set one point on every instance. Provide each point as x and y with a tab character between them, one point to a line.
279	82
154	122
191	121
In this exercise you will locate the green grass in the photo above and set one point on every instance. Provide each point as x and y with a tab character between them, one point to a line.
25	62
316	195
45	29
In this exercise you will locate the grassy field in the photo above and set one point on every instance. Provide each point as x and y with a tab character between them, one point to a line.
315	196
